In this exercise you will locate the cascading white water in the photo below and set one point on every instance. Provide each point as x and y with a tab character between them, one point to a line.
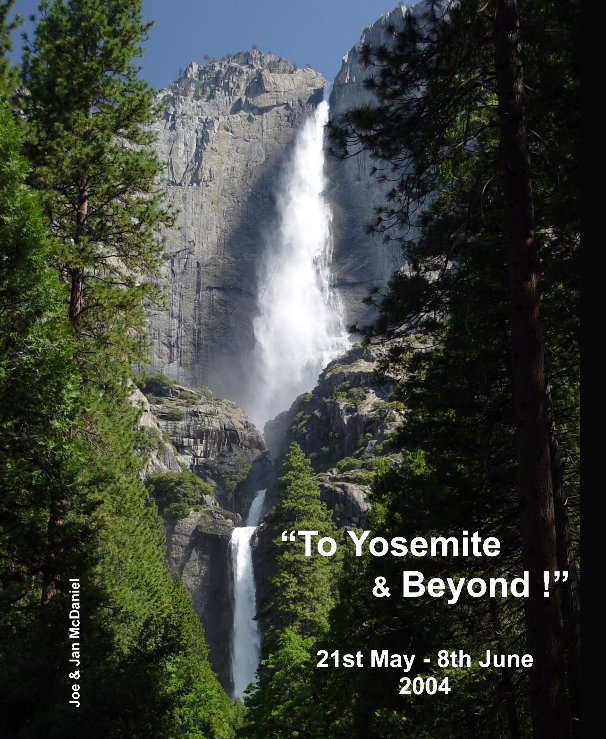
299	328
246	638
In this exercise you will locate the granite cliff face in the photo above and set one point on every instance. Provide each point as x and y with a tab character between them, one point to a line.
225	130
162	454
209	436
198	552
361	261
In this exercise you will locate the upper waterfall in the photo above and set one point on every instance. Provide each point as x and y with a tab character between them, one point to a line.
299	327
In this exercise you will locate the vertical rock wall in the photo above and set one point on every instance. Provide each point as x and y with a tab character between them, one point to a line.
361	261
198	552
225	130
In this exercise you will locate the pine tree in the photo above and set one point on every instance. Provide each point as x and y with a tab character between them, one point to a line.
437	134
39	388
301	588
295	613
549	697
72	286
88	111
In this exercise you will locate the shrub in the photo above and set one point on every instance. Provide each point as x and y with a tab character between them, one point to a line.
153	439
173	414
177	493
189	396
356	394
303	399
230	484
156	385
349	463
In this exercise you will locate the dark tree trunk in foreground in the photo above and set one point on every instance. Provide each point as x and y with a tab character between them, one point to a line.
548	695
76	301
506	688
569	591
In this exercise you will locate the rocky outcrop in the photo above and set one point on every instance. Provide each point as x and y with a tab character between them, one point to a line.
225	130
343	425
198	552
347	496
348	411
211	437
162	454
192	429
361	261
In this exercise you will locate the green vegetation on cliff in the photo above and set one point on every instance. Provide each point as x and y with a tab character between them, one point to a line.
178	493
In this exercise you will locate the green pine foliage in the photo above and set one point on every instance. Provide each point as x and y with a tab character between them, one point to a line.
286	705
73	501
301	588
295	614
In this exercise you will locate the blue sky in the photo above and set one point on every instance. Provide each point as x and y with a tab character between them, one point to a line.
315	32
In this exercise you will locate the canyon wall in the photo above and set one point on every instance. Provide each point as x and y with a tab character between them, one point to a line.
226	127
361	262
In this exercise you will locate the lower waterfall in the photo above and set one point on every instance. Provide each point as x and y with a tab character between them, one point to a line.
246	637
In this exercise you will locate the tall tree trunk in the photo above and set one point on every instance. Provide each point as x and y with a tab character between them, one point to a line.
76	301
548	696
56	520
569	590
76	294
506	689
